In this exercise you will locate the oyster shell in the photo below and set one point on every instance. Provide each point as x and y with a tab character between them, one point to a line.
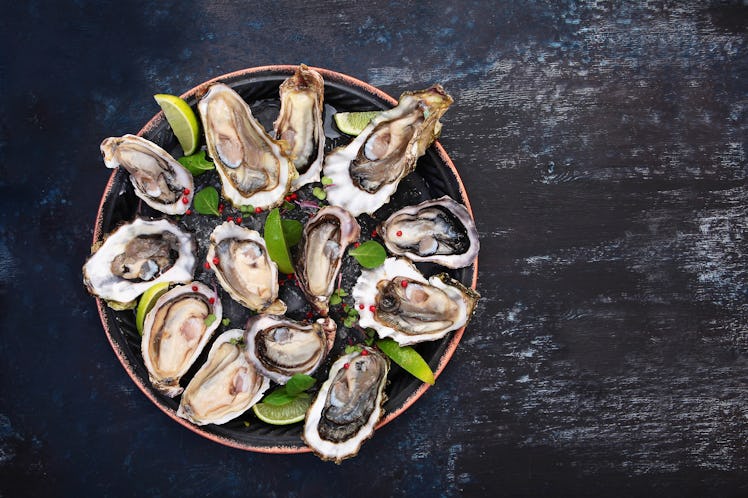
137	255
175	332
252	167
157	177
299	124
320	254
407	307
226	386
280	348
438	231
240	260
348	405
366	172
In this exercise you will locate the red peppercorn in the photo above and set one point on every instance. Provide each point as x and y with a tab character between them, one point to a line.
294	196
364	352
239	220
309	314
361	306
230	218
212	300
258	210
185	200
207	265
194	288
372	308
347	366
216	261
290	276
345	306
404	283
374	233
188	212
399	233
186	191
287	198
357	244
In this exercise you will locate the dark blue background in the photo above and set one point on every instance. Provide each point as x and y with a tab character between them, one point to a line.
603	148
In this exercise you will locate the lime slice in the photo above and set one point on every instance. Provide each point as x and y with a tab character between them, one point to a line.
408	358
353	123
147	300
290	413
182	120
276	242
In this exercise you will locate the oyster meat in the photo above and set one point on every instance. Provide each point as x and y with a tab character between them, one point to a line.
280	348
240	260
438	231
366	172
320	254
159	180
299	125
409	308
252	167
175	332
137	255
348	405
226	386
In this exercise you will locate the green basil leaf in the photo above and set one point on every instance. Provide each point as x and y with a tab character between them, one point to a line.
299	383
292	231
196	164
275	241
342	292
335	299
206	201
370	254
287	206
278	397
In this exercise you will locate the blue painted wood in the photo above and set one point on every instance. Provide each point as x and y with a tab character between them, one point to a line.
603	147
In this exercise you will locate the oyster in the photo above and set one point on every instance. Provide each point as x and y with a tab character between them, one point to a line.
407	307
253	169
175	332
366	172
280	347
321	251
348	405
299	124
137	255
243	267
226	386
438	231
158	178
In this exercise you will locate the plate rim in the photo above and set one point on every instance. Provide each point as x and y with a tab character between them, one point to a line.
98	234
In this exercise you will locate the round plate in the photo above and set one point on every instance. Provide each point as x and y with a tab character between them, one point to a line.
435	175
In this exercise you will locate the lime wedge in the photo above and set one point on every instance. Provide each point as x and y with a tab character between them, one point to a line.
408	358
147	300
182	120
276	242
353	123
290	413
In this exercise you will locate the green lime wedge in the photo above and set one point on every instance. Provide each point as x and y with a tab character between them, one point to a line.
276	242
408	358
182	120
290	413
147	300
353	123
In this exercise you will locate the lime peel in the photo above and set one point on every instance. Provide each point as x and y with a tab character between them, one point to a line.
289	413
147	300
182	120
353	123
408	358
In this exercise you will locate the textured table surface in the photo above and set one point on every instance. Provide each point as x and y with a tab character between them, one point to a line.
603	148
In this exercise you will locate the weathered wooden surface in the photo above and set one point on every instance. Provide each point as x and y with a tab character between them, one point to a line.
603	148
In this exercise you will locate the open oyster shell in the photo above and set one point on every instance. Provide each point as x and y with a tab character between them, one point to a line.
366	172
400	303
299	126
159	180
137	255
348	405
175	332
438	231
226	386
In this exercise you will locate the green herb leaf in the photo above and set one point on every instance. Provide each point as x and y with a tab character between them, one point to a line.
276	242
319	193
352	312
350	321
353	348
237	342
210	319
278	397
299	383
408	358
370	254
292	231
335	299
196	164
206	201
288	206
226	322
326	180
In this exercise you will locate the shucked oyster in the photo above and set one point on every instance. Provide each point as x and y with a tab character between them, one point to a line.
438	231
280	348
226	386
175	332
158	178
366	172
321	251
253	169
348	405
138	255
299	124
398	302
243	267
